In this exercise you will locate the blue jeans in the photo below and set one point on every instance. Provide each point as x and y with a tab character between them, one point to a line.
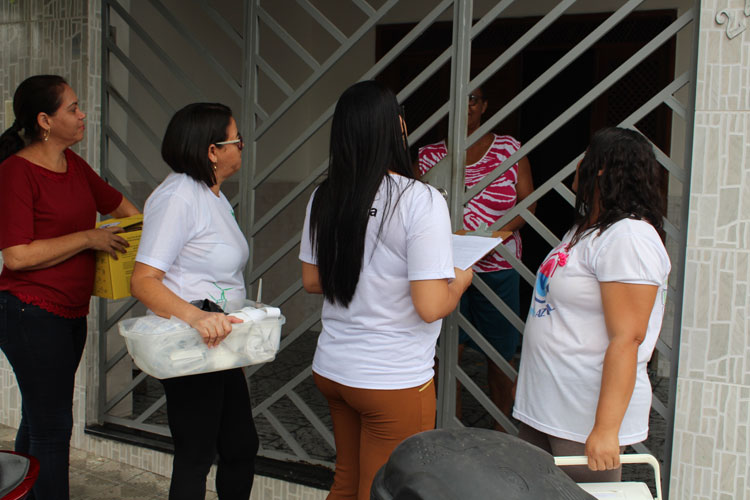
486	318
44	350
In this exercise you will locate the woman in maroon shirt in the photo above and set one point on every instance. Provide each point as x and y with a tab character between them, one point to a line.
49	197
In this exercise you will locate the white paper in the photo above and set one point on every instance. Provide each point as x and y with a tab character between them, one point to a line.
467	250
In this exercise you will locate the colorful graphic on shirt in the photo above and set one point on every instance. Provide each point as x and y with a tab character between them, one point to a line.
558	258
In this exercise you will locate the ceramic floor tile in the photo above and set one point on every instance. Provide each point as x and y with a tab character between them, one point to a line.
114	471
84	486
83	461
157	485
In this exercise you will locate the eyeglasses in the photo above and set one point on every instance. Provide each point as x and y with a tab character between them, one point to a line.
474	99
240	143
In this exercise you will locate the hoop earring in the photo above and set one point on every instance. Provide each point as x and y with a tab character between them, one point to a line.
45	135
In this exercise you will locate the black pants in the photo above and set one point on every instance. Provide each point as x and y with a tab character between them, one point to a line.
44	350
208	414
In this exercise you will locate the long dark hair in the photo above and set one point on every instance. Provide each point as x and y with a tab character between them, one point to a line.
36	94
366	142
189	134
629	185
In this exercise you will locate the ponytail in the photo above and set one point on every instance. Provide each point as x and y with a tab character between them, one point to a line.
11	142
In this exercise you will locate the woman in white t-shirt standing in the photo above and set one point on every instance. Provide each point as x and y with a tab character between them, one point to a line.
377	244
596	313
192	249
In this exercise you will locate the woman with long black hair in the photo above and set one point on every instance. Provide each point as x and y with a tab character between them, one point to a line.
49	198
377	244
596	313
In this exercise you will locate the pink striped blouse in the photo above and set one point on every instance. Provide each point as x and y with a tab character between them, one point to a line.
493	201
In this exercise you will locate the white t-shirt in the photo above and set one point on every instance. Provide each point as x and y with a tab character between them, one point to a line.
565	338
379	341
191	234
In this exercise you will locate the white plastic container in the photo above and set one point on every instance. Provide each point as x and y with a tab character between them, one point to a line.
619	491
166	348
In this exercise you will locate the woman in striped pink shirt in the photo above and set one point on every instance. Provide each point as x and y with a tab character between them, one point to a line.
482	157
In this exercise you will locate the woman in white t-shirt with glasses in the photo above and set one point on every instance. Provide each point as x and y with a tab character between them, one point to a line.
377	244
192	249
596	313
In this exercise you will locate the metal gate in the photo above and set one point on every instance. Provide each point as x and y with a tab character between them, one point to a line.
281	66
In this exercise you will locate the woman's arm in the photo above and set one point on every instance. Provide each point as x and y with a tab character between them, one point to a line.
124	209
627	309
435	299
311	278
146	285
40	254
524	187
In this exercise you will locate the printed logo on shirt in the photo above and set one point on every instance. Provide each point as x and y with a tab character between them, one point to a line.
373	212
558	258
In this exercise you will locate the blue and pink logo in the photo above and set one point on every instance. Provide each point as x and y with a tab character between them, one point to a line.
558	258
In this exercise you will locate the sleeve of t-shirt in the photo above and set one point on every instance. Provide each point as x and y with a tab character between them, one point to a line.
632	258
16	206
106	197
168	224
429	249
305	245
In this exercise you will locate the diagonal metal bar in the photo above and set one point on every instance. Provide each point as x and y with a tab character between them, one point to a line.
580	104
130	155
124	392
160	430
486	402
490	16
676	106
286	435
486	347
133	115
160	53
552	71
332	59
659	407
326	115
326	23
274	76
663	348
278	254
282	391
499	303
197	46
516	48
364	7
117	316
287	294
310	415
151	409
139	76
430	122
222	23
292	195
279	31
111	362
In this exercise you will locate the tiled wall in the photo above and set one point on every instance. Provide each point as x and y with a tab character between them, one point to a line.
711	441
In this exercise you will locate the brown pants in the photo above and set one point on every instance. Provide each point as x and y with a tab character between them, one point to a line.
368	424
560	447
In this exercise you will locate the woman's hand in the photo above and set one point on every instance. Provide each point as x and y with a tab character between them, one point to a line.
213	327
106	240
463	279
603	449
